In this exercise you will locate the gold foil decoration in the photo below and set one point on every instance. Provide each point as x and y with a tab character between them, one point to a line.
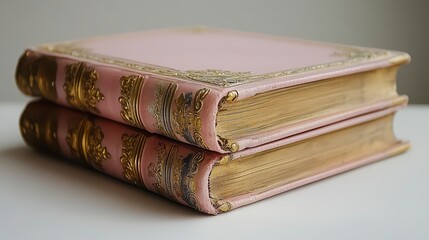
221	206
131	87
132	148
80	87
229	97
217	77
167	160
161	110
84	140
199	97
222	78
182	118
227	144
36	75
187	121
175	175
40	130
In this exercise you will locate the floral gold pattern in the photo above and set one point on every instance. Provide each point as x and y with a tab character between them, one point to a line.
217	77
80	87
199	97
132	147
187	121
175	174
131	87
182	118
220	78
189	169
166	166
84	140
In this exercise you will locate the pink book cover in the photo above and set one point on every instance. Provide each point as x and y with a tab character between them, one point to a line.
174	81
179	171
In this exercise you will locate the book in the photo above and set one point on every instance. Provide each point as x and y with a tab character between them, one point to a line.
216	89
208	181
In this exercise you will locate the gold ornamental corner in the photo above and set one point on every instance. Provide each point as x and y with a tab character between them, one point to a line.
228	145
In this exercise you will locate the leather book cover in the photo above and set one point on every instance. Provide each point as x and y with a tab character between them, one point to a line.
184	173
179	82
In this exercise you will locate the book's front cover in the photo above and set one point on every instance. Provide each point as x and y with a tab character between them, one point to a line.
224	58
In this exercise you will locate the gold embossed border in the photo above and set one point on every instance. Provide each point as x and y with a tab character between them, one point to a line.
220	78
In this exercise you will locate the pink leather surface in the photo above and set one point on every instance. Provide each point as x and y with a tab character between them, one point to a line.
112	135
110	107
207	48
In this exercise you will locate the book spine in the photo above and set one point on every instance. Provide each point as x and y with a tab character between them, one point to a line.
174	170
180	110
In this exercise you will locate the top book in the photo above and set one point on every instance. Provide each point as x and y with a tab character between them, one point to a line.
217	89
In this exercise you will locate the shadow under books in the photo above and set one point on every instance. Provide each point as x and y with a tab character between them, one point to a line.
135	200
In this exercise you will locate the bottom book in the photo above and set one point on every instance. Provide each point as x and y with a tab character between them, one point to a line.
207	181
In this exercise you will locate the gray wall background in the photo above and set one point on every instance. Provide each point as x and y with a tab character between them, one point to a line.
395	24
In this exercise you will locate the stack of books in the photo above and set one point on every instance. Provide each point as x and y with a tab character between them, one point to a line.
213	119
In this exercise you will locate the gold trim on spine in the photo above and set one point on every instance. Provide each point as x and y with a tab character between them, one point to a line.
84	140
182	118
36	76
40	130
187	121
221	78
162	171
131	87
161	110
80	87
132	149
175	175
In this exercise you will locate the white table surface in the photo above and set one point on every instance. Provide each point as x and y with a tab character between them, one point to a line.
44	198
